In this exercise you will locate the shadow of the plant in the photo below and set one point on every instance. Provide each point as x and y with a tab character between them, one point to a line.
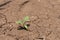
23	28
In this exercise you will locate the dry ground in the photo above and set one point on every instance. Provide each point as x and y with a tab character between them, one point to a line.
44	14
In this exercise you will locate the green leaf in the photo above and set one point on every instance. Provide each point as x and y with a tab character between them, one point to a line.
19	22
23	21
26	18
26	26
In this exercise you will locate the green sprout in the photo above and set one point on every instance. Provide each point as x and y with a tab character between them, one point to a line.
22	22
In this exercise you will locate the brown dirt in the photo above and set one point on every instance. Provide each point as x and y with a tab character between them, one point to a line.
44	14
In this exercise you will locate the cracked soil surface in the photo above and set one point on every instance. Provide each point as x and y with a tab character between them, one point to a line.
44	14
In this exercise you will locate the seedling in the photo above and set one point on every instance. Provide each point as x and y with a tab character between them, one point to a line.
23	22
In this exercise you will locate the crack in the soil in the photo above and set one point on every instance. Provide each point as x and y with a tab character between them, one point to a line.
22	5
4	3
41	38
1	5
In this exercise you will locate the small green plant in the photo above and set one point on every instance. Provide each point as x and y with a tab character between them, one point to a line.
22	22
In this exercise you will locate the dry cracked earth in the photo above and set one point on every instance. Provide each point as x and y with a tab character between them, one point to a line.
44	15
